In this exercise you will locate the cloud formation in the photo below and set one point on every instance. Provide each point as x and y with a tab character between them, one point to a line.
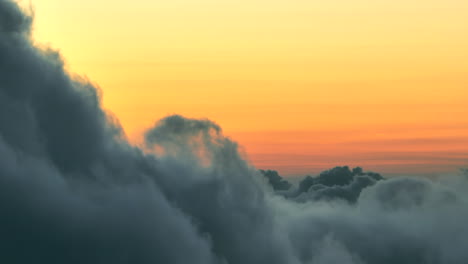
73	190
337	183
276	181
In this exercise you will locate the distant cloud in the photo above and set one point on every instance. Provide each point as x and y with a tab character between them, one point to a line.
275	180
73	190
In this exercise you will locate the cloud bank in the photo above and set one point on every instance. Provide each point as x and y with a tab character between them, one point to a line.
73	190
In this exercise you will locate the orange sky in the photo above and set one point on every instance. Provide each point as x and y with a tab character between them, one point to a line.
302	85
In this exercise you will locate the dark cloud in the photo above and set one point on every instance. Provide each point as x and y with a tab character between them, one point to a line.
275	180
204	175
72	190
337	183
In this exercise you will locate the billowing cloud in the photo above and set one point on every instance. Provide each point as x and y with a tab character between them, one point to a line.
73	190
337	183
276	181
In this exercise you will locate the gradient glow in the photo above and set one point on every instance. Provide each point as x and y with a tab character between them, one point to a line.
302	85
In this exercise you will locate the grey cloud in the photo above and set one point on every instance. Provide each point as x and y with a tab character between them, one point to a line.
223	198
73	190
276	181
337	183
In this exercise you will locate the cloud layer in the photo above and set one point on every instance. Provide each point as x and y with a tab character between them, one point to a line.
73	190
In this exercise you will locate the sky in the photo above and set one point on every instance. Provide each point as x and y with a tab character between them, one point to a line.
302	85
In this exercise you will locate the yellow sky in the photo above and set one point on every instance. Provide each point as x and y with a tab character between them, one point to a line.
331	81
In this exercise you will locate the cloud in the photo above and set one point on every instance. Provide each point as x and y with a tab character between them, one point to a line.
337	183
276	181
73	190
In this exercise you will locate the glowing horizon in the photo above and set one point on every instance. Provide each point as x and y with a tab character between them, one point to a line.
302	86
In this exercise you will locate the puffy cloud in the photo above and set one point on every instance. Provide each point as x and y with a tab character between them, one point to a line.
275	180
204	175
337	183
73	190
